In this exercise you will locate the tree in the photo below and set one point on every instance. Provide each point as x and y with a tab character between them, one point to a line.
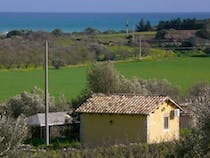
199	90
90	30
12	135
179	24
207	51
197	142
204	32
140	26
161	88
28	103
145	48
14	33
148	26
103	78
160	34
131	86
57	63
57	32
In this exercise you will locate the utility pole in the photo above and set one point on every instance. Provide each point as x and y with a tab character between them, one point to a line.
46	96
140	52
127	27
133	36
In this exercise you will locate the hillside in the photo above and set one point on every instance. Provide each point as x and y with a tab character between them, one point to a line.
27	47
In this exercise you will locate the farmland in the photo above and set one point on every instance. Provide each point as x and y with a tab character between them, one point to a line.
183	72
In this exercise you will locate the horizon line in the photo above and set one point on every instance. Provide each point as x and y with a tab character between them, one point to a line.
102	12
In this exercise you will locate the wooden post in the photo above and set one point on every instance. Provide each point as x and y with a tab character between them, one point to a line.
140	53
46	96
127	27
133	36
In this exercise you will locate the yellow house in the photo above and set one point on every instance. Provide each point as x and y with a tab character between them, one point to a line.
115	119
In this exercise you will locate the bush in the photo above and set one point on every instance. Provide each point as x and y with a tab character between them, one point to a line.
57	32
12	135
141	26
163	150
199	90
103	78
110	31
35	141
161	88
207	51
197	142
28	103
204	32
160	34
90	30
14	33
57	63
180	24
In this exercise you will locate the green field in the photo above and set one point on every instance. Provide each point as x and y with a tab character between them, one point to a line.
180	71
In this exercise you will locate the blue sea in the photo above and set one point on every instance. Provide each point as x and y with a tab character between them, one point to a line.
75	22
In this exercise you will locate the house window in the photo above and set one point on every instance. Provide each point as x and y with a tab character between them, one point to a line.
166	123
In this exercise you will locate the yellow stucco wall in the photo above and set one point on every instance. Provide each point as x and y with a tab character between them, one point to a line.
155	125
105	128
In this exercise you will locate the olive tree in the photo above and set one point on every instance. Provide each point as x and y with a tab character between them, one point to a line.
103	78
12	135
161	88
197	143
198	90
28	103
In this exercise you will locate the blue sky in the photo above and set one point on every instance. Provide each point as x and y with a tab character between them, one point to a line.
105	5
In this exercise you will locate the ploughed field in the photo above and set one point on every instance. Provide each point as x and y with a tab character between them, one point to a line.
183	72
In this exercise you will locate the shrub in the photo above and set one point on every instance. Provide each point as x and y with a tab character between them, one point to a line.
199	90
102	78
207	51
161	88
90	30
57	32
160	34
28	103
14	33
12	135
204	32
57	63
197	142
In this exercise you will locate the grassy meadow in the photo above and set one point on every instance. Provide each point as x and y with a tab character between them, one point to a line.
183	72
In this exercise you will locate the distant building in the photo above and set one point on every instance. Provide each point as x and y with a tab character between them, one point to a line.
128	118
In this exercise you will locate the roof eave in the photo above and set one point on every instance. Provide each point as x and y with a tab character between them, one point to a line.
176	104
109	113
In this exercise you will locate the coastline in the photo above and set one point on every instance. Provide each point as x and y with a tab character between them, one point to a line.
77	22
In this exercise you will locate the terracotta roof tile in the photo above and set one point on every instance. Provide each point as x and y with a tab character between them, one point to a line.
122	104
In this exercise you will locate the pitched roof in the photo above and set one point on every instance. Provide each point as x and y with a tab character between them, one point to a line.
54	118
123	104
